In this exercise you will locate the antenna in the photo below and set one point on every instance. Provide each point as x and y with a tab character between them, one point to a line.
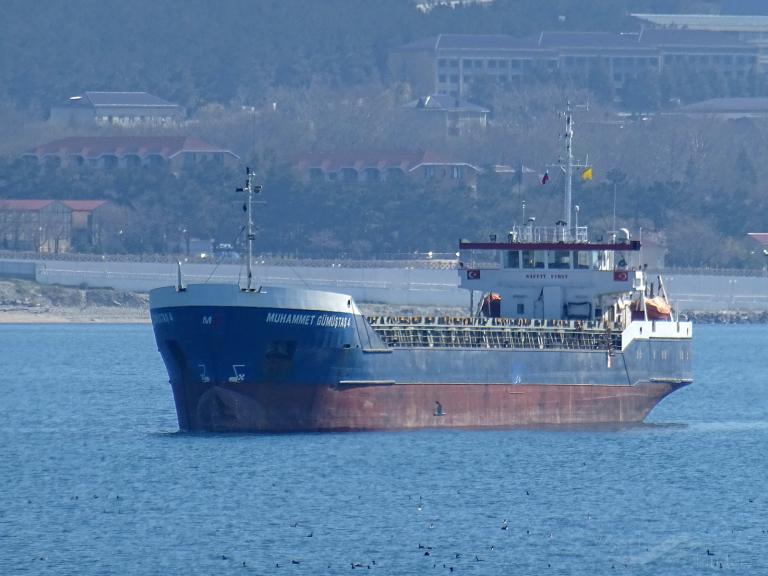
569	165
568	169
250	190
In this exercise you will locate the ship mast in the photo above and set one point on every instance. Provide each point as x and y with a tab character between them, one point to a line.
568	168
570	227
250	190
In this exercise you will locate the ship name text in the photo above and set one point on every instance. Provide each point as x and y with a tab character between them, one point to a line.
544	276
162	318
319	320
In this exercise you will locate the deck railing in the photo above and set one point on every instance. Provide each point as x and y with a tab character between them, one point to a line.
449	332
548	234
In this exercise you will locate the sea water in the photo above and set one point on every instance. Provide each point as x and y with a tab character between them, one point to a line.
96	479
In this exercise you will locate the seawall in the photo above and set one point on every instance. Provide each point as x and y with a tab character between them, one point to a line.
410	286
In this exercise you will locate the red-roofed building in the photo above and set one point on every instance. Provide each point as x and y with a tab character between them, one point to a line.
761	237
49	226
130	151
35	226
83	205
371	166
85	222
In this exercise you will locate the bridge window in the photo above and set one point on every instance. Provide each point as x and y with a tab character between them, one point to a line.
512	259
528	259
559	259
534	258
582	260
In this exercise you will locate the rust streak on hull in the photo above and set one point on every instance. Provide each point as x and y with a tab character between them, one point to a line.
241	407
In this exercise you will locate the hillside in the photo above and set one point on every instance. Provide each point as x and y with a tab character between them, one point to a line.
196	52
271	86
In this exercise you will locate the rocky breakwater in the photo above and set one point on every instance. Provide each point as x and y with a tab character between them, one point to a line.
728	317
23	301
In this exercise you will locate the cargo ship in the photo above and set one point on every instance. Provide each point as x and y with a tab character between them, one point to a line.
566	330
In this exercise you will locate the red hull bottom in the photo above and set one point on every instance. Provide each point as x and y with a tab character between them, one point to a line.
240	408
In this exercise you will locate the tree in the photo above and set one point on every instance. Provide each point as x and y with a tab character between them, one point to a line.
642	92
600	83
745	166
483	91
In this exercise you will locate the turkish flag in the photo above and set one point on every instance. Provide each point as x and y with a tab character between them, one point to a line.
473	274
620	275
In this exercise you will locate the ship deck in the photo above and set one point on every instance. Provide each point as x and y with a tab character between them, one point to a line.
466	332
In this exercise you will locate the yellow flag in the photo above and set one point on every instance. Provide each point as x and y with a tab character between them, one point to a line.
586	174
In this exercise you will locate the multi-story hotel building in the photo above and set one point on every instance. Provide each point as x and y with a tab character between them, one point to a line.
449	63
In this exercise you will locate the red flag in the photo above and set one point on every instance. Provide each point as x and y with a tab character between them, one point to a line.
545	178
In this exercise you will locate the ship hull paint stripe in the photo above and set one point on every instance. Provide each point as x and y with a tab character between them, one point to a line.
240	408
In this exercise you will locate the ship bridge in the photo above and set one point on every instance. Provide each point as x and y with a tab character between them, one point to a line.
552	273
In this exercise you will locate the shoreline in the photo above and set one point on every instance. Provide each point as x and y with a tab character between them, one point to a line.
27	302
94	315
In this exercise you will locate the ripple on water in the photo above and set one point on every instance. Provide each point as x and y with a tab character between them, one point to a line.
103	482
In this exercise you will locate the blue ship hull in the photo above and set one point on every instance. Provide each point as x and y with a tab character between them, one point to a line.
282	363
